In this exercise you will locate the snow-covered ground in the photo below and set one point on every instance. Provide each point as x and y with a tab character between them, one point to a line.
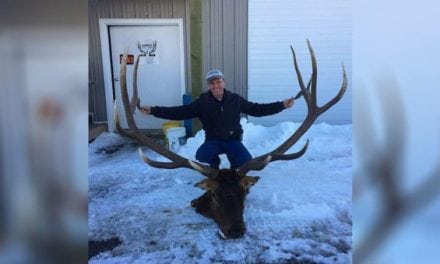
299	211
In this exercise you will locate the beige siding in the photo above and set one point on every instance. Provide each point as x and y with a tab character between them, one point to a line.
123	9
224	41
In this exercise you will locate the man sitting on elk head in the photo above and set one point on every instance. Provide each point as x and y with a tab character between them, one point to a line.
219	111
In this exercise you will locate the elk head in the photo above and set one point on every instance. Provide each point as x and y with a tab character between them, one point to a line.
223	201
226	189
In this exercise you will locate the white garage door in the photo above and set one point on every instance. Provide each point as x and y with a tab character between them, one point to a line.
276	24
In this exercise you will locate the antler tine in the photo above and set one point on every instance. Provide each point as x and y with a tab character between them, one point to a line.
124	93
292	155
314	76
341	92
304	90
205	170
157	164
177	161
135	101
310	96
262	161
255	164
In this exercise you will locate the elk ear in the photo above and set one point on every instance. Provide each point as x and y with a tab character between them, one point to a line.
248	181
207	184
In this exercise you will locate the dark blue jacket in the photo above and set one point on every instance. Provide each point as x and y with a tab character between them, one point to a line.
220	119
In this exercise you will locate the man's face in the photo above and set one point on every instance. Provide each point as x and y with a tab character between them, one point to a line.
217	87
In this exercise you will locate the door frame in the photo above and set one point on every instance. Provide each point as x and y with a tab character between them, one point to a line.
104	25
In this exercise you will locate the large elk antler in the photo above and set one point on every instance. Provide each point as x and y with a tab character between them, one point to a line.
176	161
314	111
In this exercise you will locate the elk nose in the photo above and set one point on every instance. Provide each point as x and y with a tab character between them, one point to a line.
236	232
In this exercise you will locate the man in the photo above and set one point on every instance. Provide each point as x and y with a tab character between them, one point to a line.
219	111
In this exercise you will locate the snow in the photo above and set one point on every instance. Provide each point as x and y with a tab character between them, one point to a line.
299	211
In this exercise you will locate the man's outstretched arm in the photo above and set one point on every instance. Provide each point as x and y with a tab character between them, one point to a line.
172	113
255	109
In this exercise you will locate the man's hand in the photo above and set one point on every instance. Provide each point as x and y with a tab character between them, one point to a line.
146	110
288	102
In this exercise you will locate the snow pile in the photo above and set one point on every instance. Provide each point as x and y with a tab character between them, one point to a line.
299	211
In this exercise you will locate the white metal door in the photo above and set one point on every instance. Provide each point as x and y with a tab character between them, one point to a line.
160	73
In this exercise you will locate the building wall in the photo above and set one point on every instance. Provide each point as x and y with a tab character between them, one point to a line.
224	41
223	26
274	26
249	44
125	9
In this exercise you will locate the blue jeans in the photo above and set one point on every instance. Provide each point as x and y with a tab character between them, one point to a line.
235	151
